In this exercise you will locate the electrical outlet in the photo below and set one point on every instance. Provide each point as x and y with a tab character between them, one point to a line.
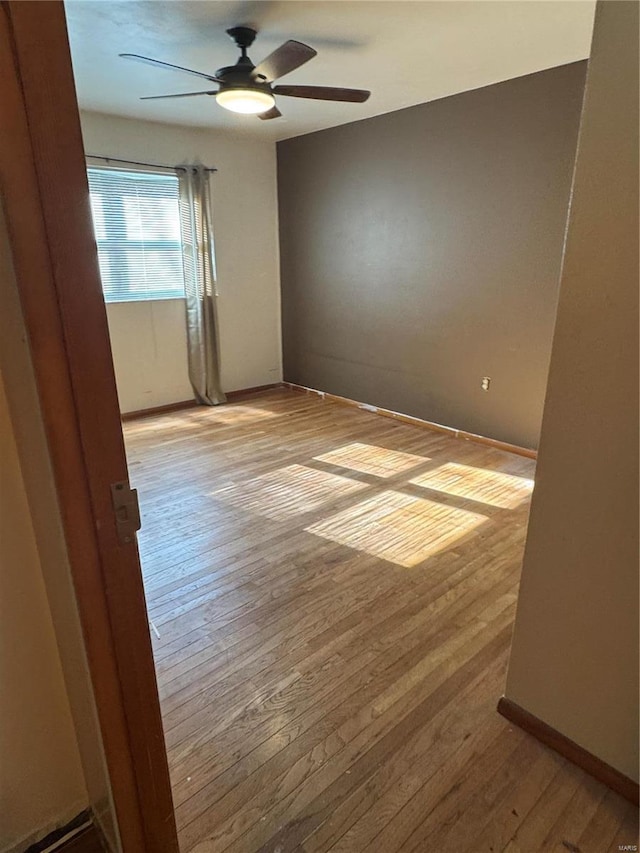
486	381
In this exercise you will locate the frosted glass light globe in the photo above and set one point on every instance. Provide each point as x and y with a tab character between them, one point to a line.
247	101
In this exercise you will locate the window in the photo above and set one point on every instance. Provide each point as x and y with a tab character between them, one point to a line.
136	220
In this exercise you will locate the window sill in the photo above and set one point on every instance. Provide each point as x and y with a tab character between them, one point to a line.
144	301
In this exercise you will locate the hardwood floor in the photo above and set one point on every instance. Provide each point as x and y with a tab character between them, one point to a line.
332	596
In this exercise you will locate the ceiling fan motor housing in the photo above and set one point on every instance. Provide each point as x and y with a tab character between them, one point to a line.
239	77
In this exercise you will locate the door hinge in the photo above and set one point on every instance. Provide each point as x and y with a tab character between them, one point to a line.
126	510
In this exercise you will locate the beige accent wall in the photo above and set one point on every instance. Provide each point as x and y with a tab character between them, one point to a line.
51	759
574	662
148	339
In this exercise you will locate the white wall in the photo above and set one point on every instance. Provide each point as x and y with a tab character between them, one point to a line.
149	346
574	662
45	686
41	780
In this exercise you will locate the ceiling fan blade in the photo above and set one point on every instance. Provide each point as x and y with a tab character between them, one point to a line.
286	58
159	62
323	93
274	112
181	95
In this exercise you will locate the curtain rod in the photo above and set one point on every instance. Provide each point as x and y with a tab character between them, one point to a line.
138	163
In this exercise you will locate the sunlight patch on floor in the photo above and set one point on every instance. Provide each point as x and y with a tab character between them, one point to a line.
400	528
237	414
478	484
288	491
369	459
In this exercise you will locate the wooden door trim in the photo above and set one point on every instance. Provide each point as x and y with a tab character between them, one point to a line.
43	181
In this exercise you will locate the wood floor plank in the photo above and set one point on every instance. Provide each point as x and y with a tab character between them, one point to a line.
566	831
332	595
533	831
605	823
366	699
501	822
409	610
315	785
627	835
395	662
358	819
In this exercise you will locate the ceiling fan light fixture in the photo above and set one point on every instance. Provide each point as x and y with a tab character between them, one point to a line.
245	100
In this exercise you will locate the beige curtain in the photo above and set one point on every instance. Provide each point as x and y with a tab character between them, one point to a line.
200	284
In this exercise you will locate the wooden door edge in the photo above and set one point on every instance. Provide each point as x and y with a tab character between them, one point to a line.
40	97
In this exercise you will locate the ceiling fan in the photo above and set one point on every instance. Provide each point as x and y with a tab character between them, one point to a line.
247	88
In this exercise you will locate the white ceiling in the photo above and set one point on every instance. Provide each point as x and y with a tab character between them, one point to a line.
405	52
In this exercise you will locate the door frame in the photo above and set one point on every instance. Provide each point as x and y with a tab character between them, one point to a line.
46	198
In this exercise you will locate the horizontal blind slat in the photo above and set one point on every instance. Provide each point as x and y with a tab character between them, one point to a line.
136	222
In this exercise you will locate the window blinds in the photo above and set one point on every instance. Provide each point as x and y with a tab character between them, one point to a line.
136	221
